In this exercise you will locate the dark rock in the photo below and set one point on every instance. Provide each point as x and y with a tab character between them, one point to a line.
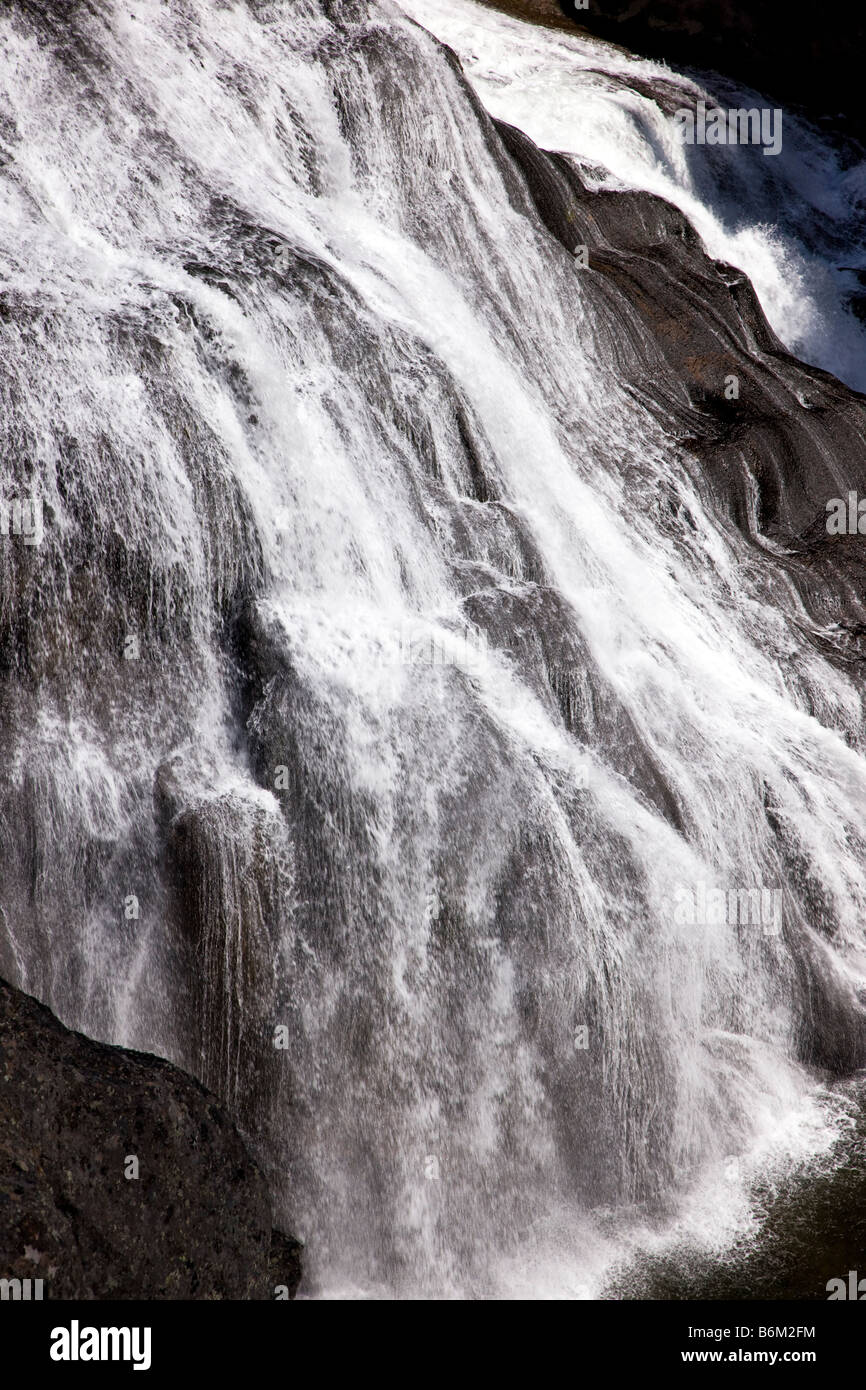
194	1224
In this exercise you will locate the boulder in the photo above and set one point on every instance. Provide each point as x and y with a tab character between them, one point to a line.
121	1177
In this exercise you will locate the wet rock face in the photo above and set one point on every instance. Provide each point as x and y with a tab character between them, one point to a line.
195	1223
224	856
547	12
683	326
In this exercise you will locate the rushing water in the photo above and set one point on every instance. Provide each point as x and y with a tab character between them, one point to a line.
361	687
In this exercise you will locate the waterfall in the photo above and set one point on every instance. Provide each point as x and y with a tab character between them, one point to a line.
395	668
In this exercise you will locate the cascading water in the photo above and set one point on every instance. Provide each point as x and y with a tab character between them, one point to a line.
387	666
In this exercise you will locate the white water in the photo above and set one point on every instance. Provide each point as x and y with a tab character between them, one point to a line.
458	881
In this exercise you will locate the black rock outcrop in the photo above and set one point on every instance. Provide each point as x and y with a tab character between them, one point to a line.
121	1176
